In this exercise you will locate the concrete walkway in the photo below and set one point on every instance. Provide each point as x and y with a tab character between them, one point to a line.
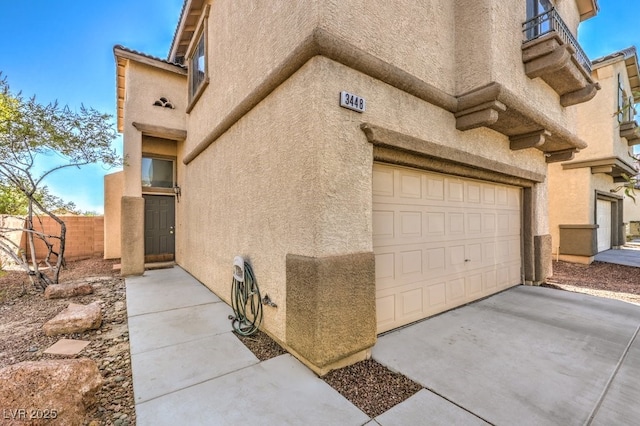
529	355
188	367
628	255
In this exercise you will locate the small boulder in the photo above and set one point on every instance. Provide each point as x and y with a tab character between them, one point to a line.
60	291
75	319
52	392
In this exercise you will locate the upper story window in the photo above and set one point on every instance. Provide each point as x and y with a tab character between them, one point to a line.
197	67
536	7
543	24
626	104
158	173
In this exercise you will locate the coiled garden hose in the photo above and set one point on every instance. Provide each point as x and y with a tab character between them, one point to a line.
246	303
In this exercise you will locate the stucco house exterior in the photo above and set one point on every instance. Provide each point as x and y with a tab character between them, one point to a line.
377	162
586	204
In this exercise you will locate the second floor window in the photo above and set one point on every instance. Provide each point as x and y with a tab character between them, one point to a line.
197	67
542	24
536	7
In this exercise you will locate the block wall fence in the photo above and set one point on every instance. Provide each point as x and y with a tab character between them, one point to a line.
84	239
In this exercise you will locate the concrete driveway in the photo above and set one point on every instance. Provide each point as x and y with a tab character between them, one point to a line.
629	255
527	356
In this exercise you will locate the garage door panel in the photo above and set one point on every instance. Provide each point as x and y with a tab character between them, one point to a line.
386	310
383	183
411	303
474	285
502	196
410	224
490	281
474	193
473	257
434	187
411	263
455	190
455	291
488	223
436	259
488	195
455	224
441	241
489	252
435	224
385	267
410	185
437	296
474	223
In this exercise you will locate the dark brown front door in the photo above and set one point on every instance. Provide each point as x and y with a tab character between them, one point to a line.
159	228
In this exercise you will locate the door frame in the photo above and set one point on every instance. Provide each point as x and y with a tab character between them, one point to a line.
160	257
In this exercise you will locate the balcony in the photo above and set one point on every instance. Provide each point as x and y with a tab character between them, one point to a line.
551	52
628	125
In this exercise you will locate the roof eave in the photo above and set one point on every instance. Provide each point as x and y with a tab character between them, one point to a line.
179	30
587	8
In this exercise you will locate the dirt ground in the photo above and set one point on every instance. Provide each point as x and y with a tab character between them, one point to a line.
368	385
23	311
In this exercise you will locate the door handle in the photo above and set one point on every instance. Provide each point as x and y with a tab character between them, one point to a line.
171	228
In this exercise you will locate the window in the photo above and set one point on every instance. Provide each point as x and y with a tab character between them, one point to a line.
536	7
157	173
197	67
542	24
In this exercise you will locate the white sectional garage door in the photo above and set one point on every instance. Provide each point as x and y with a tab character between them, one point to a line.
603	219
440	241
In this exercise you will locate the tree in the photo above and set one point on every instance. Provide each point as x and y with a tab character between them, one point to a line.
28	132
13	201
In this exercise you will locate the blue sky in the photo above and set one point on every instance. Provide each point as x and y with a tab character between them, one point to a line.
62	50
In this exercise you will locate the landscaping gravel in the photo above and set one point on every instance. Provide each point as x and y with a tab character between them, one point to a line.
24	311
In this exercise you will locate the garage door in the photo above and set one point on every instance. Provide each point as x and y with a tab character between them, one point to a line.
603	219
440	241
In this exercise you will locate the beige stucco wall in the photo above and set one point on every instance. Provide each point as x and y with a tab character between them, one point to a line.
293	175
597	119
113	189
570	199
456	46
145	85
248	40
485	31
282	182
573	194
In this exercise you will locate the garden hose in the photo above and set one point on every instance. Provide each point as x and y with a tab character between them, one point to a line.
245	299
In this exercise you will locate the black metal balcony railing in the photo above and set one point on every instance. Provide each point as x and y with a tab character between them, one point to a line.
548	22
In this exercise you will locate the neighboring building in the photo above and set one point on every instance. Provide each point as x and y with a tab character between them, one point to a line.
586	202
433	195
632	203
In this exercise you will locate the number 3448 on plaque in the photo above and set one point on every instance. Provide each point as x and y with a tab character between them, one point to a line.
353	102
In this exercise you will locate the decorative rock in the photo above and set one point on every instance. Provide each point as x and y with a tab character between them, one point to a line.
62	389
59	291
75	319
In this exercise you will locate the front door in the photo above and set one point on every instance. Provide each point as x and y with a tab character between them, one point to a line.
159	228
